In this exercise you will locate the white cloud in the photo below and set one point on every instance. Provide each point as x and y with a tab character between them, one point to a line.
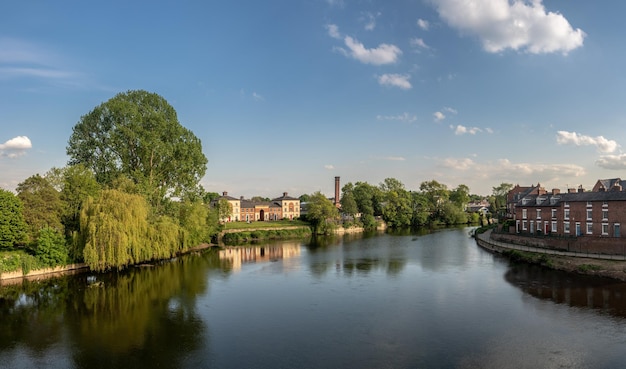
329	166
333	31
406	117
617	162
423	24
505	169
461	130
15	147
450	110
602	144
370	20
395	158
395	80
337	3
257	97
439	116
418	42
517	25
383	54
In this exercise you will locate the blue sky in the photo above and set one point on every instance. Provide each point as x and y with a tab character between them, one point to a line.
286	95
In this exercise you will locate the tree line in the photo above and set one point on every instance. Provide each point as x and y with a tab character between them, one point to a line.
131	194
433	204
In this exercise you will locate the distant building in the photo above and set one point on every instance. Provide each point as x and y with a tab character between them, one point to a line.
284	207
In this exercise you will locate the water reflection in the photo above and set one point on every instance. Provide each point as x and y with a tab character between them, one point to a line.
141	317
233	257
602	294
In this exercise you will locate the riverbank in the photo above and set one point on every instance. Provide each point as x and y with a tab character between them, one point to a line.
596	266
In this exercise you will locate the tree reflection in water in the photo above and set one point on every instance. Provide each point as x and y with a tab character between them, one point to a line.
140	317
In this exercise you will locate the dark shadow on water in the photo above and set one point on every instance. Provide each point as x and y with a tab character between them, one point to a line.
601	294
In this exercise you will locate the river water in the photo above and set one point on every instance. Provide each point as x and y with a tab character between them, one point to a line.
428	300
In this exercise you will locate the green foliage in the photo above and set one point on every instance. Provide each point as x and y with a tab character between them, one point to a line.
13	228
193	221
224	209
322	214
42	205
115	229
51	248
77	184
136	134
10	262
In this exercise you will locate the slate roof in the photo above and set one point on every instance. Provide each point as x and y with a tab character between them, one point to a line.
556	200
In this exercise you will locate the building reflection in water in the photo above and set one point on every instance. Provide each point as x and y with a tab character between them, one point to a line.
238	255
601	294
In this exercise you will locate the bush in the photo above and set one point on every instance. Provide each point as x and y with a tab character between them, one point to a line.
51	248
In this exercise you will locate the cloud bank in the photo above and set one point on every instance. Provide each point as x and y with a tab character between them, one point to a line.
517	25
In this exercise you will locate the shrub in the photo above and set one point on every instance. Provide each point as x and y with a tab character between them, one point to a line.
51	248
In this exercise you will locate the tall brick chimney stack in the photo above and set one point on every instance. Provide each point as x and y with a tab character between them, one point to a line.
337	192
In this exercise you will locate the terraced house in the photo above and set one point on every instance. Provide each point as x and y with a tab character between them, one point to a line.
284	207
585	216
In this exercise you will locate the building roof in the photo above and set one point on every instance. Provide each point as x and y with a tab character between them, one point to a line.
557	199
286	197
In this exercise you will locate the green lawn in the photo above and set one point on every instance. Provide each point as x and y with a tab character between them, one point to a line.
265	225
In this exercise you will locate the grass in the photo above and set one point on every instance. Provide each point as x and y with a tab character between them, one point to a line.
265	225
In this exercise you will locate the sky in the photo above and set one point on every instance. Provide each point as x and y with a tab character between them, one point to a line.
287	94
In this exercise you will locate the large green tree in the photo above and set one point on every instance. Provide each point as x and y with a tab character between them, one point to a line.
42	205
321	213
137	134
12	224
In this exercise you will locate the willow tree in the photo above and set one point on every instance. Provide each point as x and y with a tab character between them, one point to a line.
116	232
136	134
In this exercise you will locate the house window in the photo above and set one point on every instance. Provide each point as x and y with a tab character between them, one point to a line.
566	214
589	214
605	229
605	214
538	213
616	232
589	228
524	211
553	213
553	228
605	204
566	204
565	227
524	226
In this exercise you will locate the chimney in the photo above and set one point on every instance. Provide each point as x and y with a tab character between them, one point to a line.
580	189
284	194
225	193
241	198
556	191
337	192
571	190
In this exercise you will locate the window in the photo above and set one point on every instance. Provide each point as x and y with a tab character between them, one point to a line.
553	228
538	213
605	204
589	228
565	227
566	214
524	226
589	204
566	204
553	213
605	229
605	214
589	214
616	232
524	211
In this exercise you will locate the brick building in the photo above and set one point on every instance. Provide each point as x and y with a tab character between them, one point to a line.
284	207
593	214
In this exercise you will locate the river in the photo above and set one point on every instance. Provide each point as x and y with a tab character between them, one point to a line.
427	300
